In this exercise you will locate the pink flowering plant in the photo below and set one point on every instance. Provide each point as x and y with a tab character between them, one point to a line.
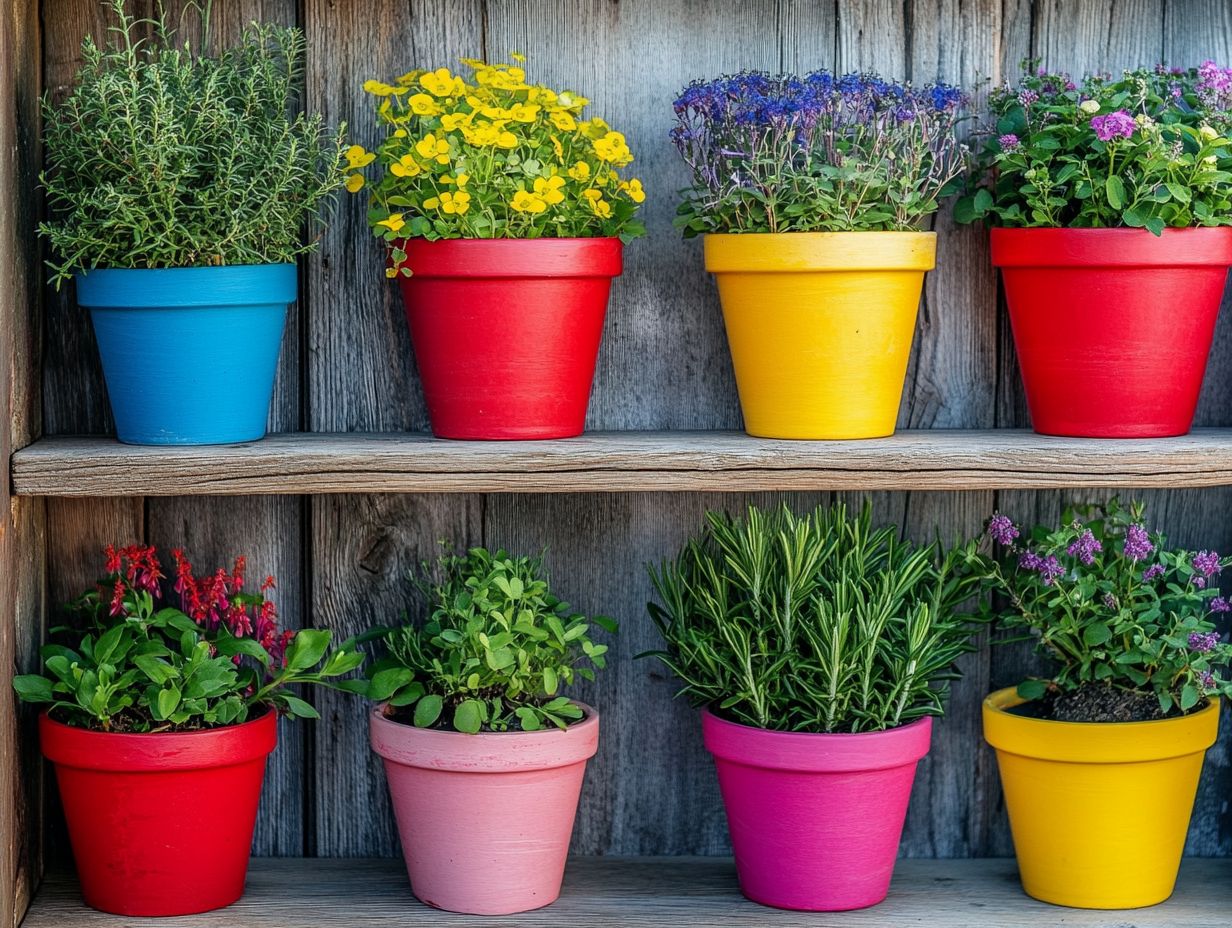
1148	149
131	665
819	153
1109	604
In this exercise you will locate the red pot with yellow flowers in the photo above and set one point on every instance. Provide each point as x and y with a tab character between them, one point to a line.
505	213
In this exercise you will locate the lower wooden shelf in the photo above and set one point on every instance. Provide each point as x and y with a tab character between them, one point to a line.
651	892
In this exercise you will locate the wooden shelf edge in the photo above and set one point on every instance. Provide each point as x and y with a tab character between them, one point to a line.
649	892
315	463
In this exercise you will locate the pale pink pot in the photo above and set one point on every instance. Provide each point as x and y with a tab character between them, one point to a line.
815	819
485	819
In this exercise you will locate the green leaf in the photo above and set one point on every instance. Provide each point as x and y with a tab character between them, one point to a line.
550	682
168	700
158	670
33	688
307	648
1096	634
1133	219
1114	188
1179	192
387	682
299	708
468	717
1032	689
1189	697
230	646
428	710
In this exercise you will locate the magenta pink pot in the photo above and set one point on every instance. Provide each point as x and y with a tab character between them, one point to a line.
815	819
485	820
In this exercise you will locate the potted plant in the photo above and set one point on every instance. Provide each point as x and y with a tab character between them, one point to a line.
1111	200
505	214
158	722
1100	760
483	752
819	649
180	186
812	194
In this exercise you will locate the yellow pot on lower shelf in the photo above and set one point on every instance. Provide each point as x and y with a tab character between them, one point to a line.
820	327
1099	811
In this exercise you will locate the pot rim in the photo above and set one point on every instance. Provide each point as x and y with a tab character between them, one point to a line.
810	252
214	287
816	752
159	752
1196	246
484	752
505	258
1096	742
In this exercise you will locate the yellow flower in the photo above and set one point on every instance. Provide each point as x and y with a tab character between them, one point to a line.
355	183
580	172
541	95
430	147
357	158
557	147
432	203
399	133
481	134
595	129
409	77
549	189
406	166
524	112
507	140
525	202
455	203
424	105
634	189
378	89
573	101
612	147
601	208
563	120
592	195
394	223
441	83
518	57
391	272
462	180
451	122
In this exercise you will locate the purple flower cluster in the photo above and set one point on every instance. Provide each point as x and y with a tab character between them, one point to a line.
1115	125
1085	547
1202	642
1049	568
1206	680
1138	544
1001	529
1219	604
1009	142
1155	570
1214	86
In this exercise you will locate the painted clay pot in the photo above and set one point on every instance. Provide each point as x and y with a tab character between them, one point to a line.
485	819
160	824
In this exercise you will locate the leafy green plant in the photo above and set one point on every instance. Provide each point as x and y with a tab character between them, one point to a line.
130	666
1145	150
164	157
815	622
496	651
1109	603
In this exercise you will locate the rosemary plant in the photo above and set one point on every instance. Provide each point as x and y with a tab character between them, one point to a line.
816	623
161	156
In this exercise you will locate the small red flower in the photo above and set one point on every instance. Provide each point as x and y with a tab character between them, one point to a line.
117	598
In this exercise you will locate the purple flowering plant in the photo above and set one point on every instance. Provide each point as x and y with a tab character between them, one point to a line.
1148	149
1108	602
818	153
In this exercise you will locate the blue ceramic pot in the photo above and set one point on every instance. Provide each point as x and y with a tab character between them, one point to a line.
189	353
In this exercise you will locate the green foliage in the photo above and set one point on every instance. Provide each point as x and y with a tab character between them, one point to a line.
162	157
816	623
495	653
1107	602
130	666
1146	150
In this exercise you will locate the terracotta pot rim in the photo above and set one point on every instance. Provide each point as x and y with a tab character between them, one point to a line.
484	752
142	752
477	258
1041	248
811	252
819	752
1096	742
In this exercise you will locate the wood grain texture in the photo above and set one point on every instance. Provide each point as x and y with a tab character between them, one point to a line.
653	893
21	521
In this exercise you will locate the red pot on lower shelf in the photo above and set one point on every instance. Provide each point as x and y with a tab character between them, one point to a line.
161	824
506	332
1113	326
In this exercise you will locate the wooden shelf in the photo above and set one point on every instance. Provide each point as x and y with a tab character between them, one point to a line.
650	892
618	461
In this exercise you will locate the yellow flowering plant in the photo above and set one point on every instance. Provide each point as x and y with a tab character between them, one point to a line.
491	157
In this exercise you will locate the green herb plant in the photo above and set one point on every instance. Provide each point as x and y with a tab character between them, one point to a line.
161	156
129	665
495	652
817	622
1107	602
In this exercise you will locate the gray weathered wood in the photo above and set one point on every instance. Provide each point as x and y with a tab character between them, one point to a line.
654	893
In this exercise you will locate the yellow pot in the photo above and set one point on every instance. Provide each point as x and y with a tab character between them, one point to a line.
820	327
1099	811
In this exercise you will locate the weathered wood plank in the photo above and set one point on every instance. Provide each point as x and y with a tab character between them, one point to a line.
653	893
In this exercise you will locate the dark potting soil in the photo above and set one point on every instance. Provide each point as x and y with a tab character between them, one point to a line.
1096	702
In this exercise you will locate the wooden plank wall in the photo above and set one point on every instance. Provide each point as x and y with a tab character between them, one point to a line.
347	366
